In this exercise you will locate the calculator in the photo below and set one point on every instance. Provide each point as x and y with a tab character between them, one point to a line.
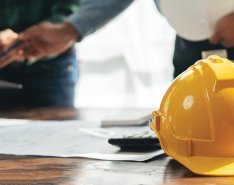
144	140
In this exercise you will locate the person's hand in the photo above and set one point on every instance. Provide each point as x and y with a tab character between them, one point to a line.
224	31
46	39
7	38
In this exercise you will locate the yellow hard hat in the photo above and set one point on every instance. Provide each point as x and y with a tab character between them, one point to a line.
195	122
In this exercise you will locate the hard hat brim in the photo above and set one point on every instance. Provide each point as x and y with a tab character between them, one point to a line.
212	166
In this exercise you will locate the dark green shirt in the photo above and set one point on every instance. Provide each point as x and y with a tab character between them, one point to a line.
20	14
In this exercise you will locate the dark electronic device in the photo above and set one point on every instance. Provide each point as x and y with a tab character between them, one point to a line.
146	140
15	45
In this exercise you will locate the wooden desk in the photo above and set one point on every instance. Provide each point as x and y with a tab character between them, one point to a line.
26	170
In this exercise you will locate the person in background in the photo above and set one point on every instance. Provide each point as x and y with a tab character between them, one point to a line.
200	29
50	81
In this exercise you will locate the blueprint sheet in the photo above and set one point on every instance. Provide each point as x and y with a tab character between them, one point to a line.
64	139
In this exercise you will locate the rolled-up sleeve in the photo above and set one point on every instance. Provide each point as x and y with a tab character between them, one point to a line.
94	14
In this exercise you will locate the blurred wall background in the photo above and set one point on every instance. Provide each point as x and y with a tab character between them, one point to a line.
128	63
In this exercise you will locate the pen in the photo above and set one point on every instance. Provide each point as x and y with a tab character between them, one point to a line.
10	85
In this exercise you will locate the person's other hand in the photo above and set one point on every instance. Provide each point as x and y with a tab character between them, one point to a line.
47	39
7	39
224	31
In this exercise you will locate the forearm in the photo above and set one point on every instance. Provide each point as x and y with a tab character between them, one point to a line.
93	14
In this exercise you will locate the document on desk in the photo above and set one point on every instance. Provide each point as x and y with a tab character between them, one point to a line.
63	139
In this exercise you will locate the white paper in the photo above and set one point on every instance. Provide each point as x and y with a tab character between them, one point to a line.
63	139
127	118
